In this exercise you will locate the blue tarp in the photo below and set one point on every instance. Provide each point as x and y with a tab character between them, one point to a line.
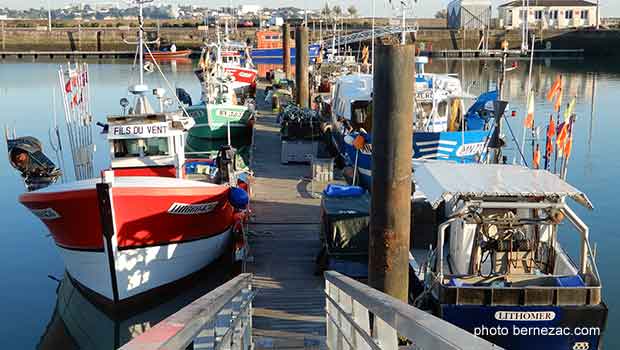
336	191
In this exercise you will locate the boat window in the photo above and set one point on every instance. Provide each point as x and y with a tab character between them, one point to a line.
156	146
442	108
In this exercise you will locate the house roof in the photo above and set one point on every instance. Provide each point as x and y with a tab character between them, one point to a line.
574	3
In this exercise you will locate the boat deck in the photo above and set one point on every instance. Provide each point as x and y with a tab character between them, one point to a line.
284	241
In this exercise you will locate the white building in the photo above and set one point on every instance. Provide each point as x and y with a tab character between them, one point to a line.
548	14
250	9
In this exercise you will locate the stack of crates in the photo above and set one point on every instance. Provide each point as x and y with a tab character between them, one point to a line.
322	169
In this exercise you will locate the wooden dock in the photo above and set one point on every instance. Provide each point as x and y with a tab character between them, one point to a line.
289	309
67	54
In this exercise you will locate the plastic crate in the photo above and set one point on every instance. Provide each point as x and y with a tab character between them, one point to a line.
322	169
298	151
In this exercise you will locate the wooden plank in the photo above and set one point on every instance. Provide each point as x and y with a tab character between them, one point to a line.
289	309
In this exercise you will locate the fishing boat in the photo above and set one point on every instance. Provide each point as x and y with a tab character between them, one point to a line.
443	128
269	48
222	113
147	221
496	266
168	55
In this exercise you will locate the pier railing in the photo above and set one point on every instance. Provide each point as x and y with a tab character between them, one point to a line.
349	305
221	319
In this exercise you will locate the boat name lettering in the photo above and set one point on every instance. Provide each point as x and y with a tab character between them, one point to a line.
470	149
524	315
46	214
192	209
226	113
138	131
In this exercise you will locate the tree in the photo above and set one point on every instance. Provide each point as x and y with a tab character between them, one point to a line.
326	11
442	14
352	10
337	10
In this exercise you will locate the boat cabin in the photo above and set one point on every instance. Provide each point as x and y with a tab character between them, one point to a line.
439	102
498	242
149	144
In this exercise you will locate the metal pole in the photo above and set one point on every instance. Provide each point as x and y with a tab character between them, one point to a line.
141	45
49	16
301	66
3	36
403	36
528	91
286	49
390	218
598	14
372	43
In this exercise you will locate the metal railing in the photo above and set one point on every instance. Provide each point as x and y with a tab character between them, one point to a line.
367	35
348	308
221	319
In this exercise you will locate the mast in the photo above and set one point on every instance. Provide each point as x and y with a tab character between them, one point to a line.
403	36
141	42
372	43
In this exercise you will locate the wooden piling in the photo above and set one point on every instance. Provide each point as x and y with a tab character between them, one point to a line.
390	217
286	49
301	66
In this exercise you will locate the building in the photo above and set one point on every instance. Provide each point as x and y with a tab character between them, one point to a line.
548	14
469	14
250	9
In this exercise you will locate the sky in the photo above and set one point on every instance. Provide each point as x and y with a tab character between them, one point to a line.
423	8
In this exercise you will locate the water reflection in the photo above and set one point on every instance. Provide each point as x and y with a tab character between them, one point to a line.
79	322
25	97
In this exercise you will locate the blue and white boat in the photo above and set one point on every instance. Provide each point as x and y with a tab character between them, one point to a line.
495	266
442	128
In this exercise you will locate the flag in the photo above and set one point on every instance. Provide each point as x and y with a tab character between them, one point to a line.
551	128
359	142
68	86
74	100
558	102
549	148
555	88
536	160
570	109
562	133
568	145
529	119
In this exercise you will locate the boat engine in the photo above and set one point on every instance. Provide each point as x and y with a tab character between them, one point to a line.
26	155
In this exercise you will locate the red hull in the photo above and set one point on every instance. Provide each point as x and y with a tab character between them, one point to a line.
169	55
143	216
243	75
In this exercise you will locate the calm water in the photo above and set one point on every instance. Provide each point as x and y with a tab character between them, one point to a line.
28	256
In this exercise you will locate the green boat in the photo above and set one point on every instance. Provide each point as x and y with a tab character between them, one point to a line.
196	147
213	121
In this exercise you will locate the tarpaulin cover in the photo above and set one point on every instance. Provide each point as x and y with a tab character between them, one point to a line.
344	225
443	181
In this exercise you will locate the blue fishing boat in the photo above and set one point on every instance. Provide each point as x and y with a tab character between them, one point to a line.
275	55
443	130
495	266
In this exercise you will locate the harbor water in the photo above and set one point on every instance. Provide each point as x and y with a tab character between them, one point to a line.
34	316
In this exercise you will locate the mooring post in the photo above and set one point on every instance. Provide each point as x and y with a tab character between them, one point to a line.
392	138
286	49
301	66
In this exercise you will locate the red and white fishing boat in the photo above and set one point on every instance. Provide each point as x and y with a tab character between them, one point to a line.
145	222
228	55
